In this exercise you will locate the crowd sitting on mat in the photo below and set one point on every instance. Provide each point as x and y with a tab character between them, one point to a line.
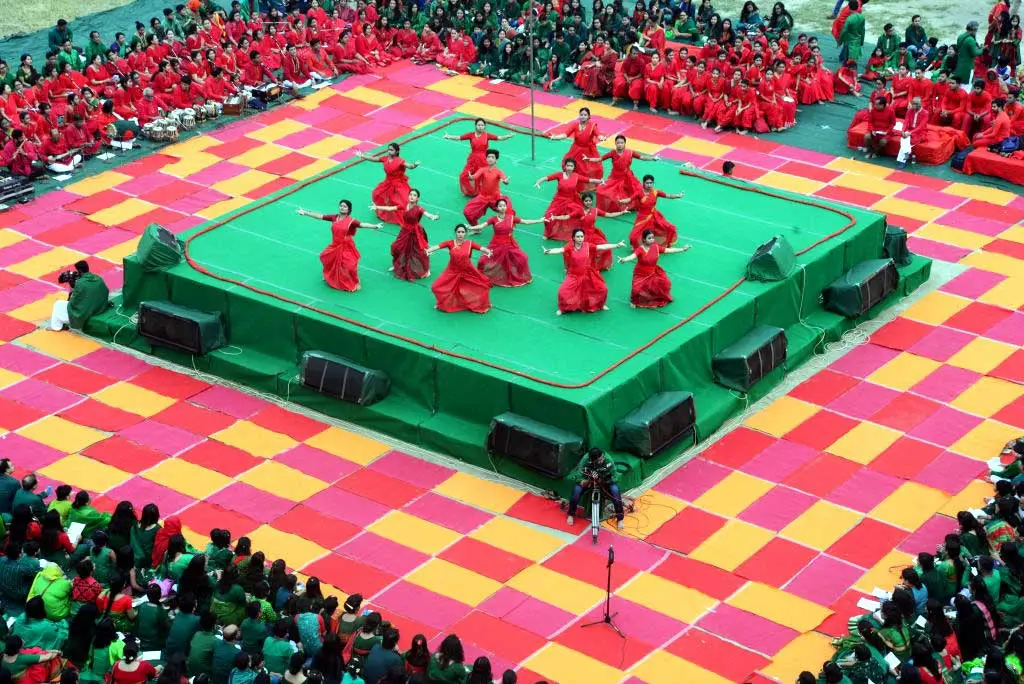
124	598
957	614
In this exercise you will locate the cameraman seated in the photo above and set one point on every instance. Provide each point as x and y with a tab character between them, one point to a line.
596	470
89	296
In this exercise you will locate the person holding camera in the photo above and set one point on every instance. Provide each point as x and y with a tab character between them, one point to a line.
89	296
596	470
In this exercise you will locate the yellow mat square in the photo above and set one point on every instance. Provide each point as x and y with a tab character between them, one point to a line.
935	308
1013	233
39	310
187	478
980	192
804	652
258	156
197	539
279	479
731	545
997	263
244	182
329	146
490	496
518	538
377	97
987	396
296	551
856	166
1008	294
779	606
821	525
117	253
122	212
667	597
914	210
557	589
98	183
864	442
277	130
732	495
313	169
193	162
981	355
785	181
653	510
661	667
455	88
9	237
953	236
635	145
348	445
84	473
886	572
867	183
552	114
414	532
190	146
699	146
986	440
562	664
223	208
66	346
598	109
63	435
904	371
455	582
971	496
781	416
256	440
46	262
8	378
910	506
473	108
134	399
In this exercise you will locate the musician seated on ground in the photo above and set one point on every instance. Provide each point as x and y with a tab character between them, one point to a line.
596	469
21	156
89	296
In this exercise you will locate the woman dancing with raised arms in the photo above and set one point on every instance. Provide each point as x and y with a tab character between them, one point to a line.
565	201
621	183
585	137
461	287
409	260
583	288
393	191
648	217
479	140
651	286
587	220
507	266
340	259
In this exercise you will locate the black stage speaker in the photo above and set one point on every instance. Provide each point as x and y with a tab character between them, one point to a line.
15	189
657	424
181	328
338	377
535	445
860	288
750	358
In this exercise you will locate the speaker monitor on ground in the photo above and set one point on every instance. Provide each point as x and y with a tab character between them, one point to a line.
179	327
740	365
338	377
862	287
158	249
661	421
534	445
774	260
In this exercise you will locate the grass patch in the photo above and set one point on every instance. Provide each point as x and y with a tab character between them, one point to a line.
20	17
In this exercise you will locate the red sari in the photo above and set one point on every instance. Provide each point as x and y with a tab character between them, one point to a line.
565	201
651	286
649	218
409	250
587	77
340	259
584	144
583	288
477	159
393	191
587	220
507	266
621	183
461	287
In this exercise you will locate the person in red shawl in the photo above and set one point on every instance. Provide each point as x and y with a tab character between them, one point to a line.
171	528
368	46
587	220
507	266
881	122
998	131
648	217
409	259
458	55
340	259
654	81
621	181
429	48
651	287
587	79
487	181
406	42
915	129
583	289
347	59
585	137
845	81
949	109
566	199
461	286
742	111
479	140
977	110
630	80
393	191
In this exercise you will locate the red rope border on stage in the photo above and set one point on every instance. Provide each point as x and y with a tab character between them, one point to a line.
550	383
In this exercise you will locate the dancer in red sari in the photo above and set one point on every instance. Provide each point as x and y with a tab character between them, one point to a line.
585	137
621	182
507	266
587	220
393	191
583	288
409	259
565	201
648	217
461	287
651	287
340	259
487	180
479	141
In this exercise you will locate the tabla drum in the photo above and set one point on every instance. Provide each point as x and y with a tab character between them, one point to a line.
147	130
188	119
200	113
212	110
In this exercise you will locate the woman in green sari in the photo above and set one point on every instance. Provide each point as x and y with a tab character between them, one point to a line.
973	537
82	512
218	551
122	524
893	632
487	59
228	603
144	536
104	560
36	630
106	650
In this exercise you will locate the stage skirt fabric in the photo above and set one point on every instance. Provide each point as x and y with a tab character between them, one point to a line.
508	265
461	287
409	253
340	260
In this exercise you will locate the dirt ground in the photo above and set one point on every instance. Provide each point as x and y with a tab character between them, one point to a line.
25	16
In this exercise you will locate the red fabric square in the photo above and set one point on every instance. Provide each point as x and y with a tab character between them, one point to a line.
1012	413
717	655
605	645
579	564
484	559
821	429
539	510
1008	247
905	412
159	216
12	328
824	387
1011	369
14	415
349	575
821	475
298	427
269	188
901	334
286	164
316	527
838	623
170	383
738	447
776	562
687	530
195	419
222	458
75	378
94	203
905	458
867	543
977	317
380	488
203	517
496	636
70	232
120	453
707	579
233	148
96	414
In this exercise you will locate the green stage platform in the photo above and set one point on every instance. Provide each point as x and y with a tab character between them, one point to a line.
452	373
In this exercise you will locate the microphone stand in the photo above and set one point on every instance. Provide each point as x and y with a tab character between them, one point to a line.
608	617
